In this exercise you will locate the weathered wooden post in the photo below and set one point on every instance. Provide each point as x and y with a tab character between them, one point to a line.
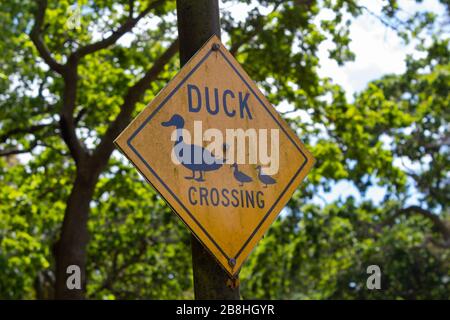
198	20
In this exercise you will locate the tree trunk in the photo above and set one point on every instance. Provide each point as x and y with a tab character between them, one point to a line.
198	20
211	282
72	245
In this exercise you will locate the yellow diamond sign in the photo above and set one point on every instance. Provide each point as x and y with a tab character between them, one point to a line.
218	153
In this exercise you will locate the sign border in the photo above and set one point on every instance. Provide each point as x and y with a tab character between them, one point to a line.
147	165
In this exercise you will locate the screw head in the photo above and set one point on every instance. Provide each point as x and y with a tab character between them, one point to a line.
232	262
215	47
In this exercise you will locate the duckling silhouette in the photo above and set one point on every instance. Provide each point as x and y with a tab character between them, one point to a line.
240	176
191	156
265	179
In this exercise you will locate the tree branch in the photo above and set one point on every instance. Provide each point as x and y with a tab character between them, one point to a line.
384	21
129	24
133	95
116	270
37	40
69	71
67	124
440	225
259	25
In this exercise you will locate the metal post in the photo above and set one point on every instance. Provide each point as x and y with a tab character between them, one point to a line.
198	20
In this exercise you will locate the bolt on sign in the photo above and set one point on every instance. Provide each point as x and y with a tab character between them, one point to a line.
219	154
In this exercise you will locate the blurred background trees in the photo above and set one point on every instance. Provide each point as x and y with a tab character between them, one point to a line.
67	88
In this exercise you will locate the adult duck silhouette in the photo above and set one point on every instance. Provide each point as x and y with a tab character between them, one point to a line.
265	179
240	176
191	156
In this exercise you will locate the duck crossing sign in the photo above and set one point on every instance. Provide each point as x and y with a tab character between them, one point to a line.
219	154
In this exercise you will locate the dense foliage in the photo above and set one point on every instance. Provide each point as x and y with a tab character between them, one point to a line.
394	134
